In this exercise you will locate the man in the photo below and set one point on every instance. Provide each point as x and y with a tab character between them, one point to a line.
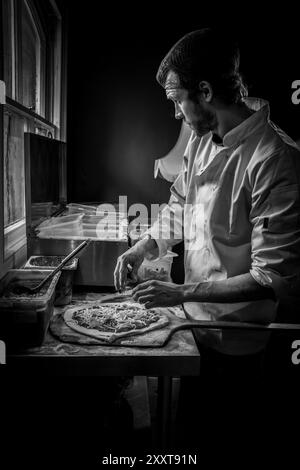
235	203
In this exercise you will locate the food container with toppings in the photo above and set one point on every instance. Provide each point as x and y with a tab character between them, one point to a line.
64	288
25	317
159	268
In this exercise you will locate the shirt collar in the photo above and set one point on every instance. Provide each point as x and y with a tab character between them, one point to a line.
251	124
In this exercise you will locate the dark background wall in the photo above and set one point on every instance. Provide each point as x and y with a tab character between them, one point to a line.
119	121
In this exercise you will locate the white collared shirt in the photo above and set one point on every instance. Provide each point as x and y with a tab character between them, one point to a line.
237	208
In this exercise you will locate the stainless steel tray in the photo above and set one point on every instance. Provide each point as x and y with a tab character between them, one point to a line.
96	264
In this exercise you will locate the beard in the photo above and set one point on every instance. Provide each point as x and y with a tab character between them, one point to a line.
205	121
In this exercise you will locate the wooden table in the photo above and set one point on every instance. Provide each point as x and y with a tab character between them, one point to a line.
179	357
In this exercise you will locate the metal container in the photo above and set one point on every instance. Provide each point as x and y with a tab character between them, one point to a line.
96	264
24	319
46	180
64	288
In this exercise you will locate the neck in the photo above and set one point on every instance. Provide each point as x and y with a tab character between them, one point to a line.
230	117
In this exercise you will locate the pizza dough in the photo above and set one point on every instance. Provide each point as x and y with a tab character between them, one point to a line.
111	321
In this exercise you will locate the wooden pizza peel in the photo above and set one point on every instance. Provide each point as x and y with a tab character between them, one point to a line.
159	337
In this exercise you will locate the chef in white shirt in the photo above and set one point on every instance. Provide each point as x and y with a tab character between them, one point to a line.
235	202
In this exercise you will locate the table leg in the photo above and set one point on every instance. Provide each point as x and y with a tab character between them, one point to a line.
164	403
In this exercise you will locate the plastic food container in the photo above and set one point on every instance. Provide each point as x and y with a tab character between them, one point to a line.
74	208
24	319
105	227
64	226
96	210
107	219
63	220
111	235
159	268
64	288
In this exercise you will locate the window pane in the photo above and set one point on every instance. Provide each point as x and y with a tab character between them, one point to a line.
8	47
14	190
31	46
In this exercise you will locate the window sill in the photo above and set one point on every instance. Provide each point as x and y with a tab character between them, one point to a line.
15	105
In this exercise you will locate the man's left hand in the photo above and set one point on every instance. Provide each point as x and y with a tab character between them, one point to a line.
158	294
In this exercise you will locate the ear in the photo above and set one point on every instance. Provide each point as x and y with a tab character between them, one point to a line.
206	91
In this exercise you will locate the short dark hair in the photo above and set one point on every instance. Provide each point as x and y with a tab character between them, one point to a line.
206	54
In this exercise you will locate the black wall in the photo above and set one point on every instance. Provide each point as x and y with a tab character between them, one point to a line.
119	121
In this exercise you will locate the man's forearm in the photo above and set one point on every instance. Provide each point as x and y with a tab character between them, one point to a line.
147	246
240	288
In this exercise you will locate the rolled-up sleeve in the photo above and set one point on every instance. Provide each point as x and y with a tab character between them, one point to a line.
275	215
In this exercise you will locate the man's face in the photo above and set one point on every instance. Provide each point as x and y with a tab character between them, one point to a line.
194	112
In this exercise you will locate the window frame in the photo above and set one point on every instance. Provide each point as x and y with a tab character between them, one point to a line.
2	179
52	113
40	70
53	97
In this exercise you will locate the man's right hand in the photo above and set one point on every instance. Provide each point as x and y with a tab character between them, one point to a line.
130	261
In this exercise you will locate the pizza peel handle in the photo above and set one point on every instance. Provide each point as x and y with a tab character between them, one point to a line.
59	267
181	324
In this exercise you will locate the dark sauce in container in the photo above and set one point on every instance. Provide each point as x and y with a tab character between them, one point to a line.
52	261
15	289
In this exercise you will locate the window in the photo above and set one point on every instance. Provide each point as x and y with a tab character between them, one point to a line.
8	47
24	55
32	43
30	63
14	191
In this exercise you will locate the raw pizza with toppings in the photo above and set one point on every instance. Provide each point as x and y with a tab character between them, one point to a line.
111	321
